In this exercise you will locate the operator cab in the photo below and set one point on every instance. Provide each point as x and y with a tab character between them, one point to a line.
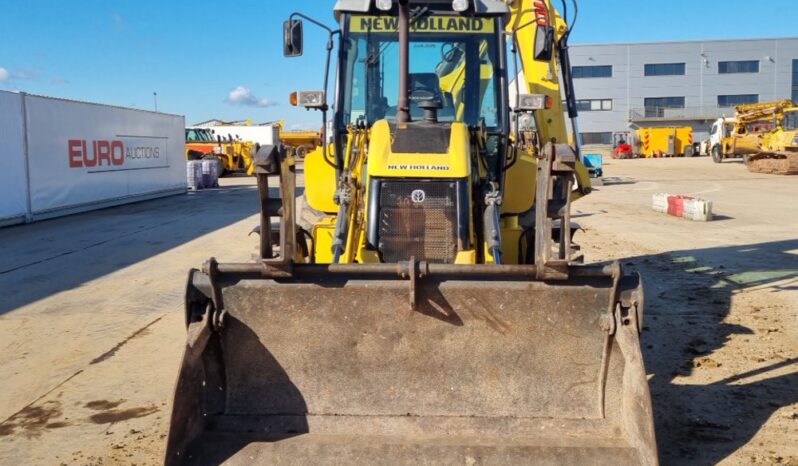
790	122
453	62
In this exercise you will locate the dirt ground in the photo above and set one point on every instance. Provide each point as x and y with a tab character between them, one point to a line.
721	341
91	318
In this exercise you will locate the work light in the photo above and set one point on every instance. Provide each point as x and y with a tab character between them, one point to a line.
529	102
460	5
308	99
384	5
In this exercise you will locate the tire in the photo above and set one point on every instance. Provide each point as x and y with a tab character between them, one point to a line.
302	152
689	151
717	156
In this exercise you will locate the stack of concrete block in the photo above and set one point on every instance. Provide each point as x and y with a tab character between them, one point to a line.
691	208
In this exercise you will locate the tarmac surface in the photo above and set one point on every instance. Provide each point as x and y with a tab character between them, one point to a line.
91	321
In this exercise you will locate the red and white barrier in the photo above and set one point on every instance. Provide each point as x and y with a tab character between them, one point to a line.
691	208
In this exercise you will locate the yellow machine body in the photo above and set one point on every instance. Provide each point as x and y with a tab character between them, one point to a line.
766	135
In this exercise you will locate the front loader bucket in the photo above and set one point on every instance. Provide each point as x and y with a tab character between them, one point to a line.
412	364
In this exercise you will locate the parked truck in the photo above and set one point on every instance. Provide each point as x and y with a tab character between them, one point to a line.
722	129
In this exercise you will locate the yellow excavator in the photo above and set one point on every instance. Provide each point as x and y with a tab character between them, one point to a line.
766	134
438	311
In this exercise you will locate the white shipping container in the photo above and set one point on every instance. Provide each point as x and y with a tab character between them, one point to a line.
83	156
13	174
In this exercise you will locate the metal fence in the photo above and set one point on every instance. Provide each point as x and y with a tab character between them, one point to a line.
707	113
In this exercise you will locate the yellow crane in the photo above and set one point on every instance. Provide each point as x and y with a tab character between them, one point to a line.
439	311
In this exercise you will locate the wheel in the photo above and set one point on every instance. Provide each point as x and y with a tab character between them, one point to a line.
745	160
302	152
717	155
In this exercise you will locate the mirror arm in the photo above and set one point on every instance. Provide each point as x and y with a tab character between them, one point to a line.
317	23
330	47
338	157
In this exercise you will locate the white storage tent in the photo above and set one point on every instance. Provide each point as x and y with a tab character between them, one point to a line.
76	156
13	175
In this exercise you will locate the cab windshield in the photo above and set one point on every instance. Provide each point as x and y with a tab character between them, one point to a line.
198	135
790	121
452	62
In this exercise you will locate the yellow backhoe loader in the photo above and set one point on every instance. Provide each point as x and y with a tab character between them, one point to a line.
438	312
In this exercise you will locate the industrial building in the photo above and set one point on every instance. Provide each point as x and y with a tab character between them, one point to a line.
623	86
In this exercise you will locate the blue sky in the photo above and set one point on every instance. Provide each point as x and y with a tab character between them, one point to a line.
208	59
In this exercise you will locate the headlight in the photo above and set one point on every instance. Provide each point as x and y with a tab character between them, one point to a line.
529	102
460	5
384	5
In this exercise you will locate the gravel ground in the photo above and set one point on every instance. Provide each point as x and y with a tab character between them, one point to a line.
721	341
91	322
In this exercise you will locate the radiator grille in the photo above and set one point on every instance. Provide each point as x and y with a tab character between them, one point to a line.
418	219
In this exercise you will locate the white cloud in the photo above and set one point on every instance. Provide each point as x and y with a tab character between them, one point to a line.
24	74
59	80
243	96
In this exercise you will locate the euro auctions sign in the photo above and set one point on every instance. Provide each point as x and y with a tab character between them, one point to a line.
122	153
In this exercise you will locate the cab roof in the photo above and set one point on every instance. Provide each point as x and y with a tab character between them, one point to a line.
481	7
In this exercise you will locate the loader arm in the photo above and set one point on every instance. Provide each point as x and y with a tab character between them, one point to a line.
540	77
543	77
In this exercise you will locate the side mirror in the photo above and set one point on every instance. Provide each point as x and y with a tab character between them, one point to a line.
544	43
292	38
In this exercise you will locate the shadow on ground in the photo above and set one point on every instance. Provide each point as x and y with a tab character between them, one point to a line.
689	296
42	259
